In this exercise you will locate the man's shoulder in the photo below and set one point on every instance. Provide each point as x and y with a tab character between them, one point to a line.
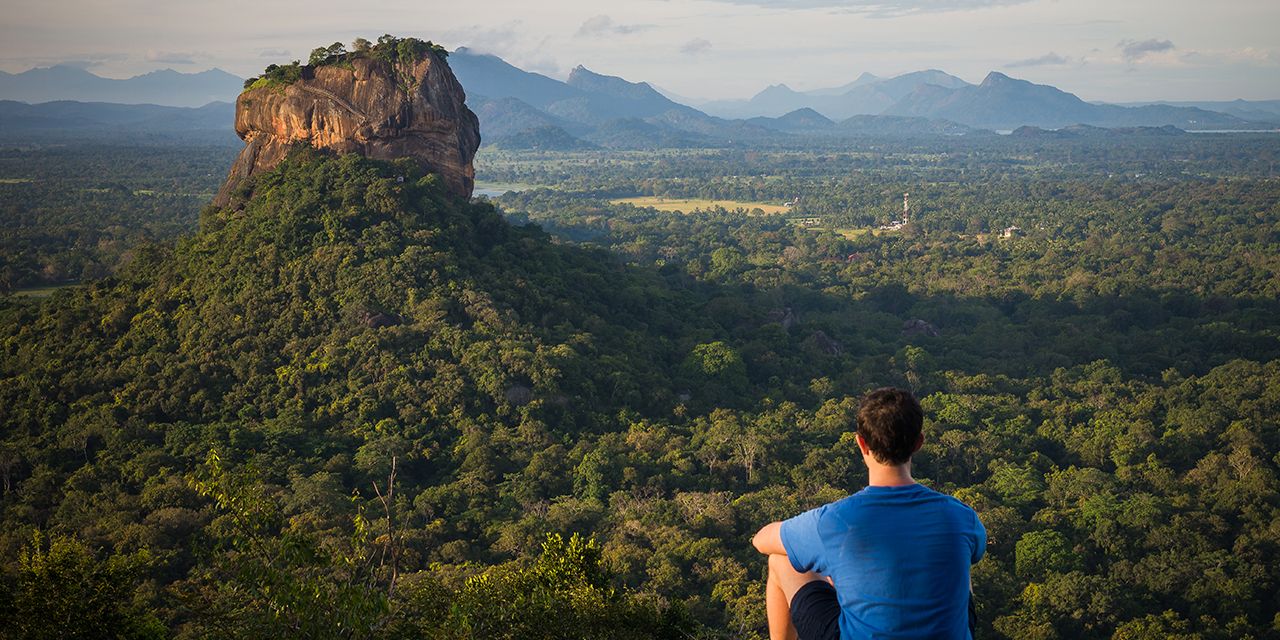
906	498
914	495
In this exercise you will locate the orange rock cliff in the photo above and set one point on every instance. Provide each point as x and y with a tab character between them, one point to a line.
372	107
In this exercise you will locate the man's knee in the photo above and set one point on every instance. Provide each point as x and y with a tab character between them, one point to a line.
780	565
786	576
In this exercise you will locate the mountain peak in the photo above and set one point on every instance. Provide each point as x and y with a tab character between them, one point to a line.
360	106
774	91
588	80
995	78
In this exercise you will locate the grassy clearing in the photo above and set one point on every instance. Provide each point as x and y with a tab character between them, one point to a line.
42	292
852	233
14	180
690	205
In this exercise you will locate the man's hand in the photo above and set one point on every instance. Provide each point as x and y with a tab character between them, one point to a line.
768	540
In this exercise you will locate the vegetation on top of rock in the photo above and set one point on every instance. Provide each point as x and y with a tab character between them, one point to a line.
388	48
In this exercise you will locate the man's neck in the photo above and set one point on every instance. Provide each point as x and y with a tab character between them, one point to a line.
883	475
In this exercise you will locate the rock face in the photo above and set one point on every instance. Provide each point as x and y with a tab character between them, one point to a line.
367	106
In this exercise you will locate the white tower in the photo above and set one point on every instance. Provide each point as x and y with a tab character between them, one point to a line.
906	207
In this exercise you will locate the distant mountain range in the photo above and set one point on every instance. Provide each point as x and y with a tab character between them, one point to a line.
1001	102
166	87
585	110
1256	110
522	109
868	95
591	109
138	123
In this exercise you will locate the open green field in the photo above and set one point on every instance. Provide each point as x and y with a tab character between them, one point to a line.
42	292
850	233
689	205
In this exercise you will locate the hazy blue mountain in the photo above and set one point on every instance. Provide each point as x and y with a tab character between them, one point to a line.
1267	111
166	87
811	123
602	109
544	138
800	120
634	133
866	95
898	87
678	98
865	78
697	122
124	118
491	76
1001	102
610	97
902	126
501	117
589	81
773	101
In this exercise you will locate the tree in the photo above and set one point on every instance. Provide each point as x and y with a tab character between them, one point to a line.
64	591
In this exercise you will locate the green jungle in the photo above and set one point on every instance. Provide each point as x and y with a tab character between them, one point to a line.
359	407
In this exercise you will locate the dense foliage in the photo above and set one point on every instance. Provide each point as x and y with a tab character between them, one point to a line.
388	48
356	407
78	213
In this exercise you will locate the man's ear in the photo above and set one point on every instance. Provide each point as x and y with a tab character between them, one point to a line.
862	444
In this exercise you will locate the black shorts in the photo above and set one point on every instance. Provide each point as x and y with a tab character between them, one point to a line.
815	612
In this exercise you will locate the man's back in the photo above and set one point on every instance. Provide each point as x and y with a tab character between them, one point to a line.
899	557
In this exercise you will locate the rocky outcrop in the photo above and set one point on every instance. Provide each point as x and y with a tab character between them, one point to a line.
366	106
918	327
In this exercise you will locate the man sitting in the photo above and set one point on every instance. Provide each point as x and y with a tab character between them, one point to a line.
890	561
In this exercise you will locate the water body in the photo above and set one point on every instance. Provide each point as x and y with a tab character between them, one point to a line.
1233	130
1005	132
495	189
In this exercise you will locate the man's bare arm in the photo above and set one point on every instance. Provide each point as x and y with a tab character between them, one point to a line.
768	540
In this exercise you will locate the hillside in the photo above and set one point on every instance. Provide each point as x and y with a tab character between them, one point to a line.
340	320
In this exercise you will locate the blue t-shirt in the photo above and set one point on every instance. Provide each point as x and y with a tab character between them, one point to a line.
899	558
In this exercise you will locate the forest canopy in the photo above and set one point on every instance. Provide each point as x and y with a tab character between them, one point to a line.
357	406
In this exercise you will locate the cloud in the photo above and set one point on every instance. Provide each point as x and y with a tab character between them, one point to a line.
80	64
603	25
77	60
172	57
500	40
273	53
1045	60
1248	56
512	42
695	46
882	8
1134	50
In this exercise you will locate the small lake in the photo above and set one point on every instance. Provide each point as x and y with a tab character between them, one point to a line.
495	189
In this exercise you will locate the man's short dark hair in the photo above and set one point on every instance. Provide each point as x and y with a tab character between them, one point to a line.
890	421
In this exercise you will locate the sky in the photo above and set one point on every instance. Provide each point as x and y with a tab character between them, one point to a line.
1105	50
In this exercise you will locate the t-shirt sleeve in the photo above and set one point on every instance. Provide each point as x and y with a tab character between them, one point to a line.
980	539
802	541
